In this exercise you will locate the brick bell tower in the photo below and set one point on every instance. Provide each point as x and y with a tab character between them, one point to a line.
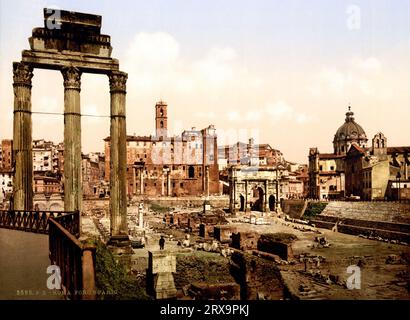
161	119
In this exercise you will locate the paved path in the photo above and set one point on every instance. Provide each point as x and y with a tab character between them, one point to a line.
23	266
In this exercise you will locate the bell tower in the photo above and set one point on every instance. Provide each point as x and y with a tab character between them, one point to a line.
161	119
379	145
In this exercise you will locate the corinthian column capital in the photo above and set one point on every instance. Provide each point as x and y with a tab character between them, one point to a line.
72	78
118	81
22	74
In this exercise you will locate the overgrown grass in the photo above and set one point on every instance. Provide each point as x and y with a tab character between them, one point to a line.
278	237
112	280
313	209
203	267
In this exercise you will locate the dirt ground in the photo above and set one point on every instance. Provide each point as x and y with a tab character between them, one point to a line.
379	280
326	280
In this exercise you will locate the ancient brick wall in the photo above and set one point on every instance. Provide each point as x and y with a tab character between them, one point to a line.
245	240
259	278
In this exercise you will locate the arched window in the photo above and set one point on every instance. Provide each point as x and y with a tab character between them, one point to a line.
191	172
161	124
161	112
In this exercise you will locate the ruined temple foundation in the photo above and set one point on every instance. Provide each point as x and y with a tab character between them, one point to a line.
75	47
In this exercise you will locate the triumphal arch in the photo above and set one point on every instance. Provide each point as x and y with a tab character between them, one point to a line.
72	43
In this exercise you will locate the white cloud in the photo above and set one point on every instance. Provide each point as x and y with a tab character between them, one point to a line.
253	116
280	111
233	116
151	50
359	75
206	115
371	64
216	69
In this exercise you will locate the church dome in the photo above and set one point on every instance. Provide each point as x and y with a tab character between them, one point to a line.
350	132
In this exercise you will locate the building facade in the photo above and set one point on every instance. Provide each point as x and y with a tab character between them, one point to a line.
249	153
161	165
256	188
6	154
355	171
378	172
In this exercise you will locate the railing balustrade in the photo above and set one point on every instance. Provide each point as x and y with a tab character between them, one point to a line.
75	259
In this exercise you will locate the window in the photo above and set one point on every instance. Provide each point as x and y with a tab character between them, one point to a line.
320	168
181	185
332	168
191	172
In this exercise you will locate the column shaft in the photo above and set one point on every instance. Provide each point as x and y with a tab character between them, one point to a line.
245	209
207	181
22	137
72	140
134	180
118	159
169	183
266	206
141	181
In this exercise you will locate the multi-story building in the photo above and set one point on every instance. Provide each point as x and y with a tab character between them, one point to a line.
93	167
170	166
326	170
379	172
6	183
355	171
249	153
46	185
6	154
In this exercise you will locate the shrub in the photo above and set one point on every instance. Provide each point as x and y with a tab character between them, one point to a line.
112	280
313	209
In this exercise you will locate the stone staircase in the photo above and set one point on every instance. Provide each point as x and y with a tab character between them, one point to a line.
373	211
386	220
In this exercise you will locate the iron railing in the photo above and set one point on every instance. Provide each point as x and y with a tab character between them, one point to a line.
75	259
36	221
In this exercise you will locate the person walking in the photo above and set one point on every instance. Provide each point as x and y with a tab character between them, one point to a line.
161	243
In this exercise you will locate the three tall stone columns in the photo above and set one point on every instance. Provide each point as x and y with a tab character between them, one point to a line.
22	137
72	139
118	161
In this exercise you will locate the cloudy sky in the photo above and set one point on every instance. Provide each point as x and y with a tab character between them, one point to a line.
283	72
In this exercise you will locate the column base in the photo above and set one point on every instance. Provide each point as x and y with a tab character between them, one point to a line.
121	241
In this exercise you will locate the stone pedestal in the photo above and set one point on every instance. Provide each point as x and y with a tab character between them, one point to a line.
160	279
207	206
140	217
